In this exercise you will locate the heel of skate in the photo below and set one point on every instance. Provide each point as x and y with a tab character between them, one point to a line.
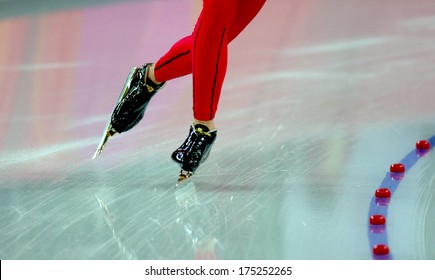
183	177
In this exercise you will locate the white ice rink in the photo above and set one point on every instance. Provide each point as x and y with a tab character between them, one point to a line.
321	97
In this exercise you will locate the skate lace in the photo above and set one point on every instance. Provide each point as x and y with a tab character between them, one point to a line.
201	131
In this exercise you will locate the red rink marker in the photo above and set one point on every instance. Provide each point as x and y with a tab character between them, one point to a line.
422	145
381	249
383	193
377	220
397	168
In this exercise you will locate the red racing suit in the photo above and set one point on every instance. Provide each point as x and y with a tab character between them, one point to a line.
204	53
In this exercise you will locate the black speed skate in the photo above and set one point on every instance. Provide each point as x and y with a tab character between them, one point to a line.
194	150
131	104
130	109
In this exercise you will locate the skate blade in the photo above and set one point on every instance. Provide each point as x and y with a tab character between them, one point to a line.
108	132
127	84
183	177
103	141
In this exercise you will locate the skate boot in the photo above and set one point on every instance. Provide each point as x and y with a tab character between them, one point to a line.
131	108
194	150
131	104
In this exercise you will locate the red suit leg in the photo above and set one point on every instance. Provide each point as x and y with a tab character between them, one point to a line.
205	52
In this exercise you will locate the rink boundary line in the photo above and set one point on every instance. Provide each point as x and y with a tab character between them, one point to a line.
377	234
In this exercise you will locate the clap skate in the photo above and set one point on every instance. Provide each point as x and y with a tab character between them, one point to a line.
194	150
131	104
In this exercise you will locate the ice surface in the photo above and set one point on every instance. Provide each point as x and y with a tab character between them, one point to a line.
320	98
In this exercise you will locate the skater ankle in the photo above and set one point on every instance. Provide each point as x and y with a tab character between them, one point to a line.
209	124
151	75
